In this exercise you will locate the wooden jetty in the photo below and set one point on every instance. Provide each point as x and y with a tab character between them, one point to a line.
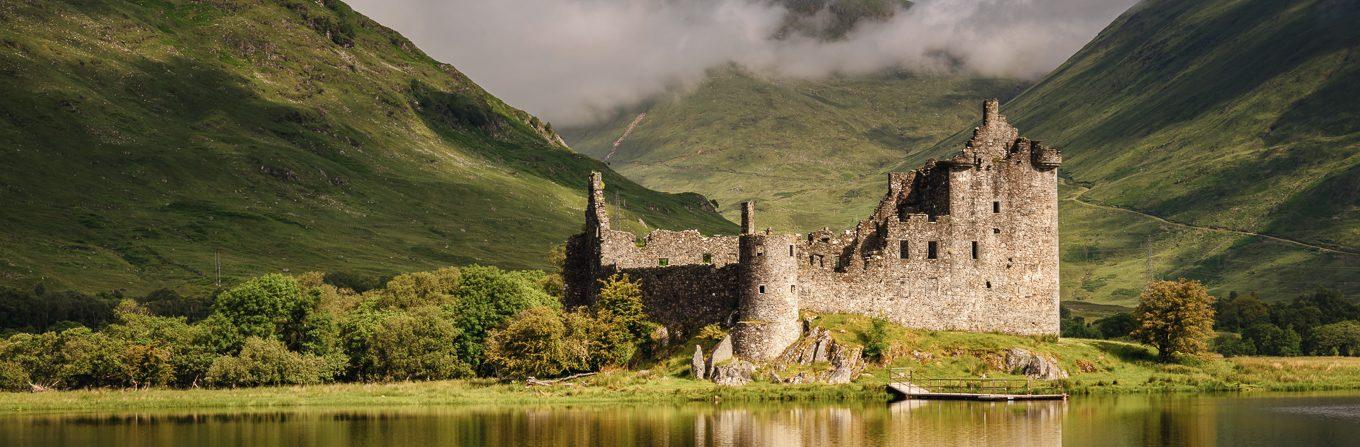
977	389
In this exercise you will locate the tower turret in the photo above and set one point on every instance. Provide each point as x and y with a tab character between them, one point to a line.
768	296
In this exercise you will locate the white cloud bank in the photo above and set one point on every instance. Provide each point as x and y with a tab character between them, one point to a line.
572	61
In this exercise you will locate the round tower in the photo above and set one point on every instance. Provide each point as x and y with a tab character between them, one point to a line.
768	300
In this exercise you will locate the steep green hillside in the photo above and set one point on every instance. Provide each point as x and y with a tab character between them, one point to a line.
141	139
811	153
1216	140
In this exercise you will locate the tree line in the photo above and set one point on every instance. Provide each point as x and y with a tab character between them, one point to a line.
474	321
1319	323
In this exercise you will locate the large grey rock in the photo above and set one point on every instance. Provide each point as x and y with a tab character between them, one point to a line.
733	372
1035	366
721	353
696	364
846	361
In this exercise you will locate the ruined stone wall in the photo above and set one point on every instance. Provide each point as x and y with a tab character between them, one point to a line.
993	266
688	280
967	243
688	297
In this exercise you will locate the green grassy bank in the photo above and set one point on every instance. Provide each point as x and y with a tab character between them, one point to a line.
1095	367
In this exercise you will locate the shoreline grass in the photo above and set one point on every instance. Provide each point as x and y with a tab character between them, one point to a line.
1221	376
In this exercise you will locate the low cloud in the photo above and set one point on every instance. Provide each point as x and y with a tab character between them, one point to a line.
574	61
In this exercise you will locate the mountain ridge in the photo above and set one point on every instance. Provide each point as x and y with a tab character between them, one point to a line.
147	140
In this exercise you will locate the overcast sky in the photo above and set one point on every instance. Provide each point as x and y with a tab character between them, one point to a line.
573	61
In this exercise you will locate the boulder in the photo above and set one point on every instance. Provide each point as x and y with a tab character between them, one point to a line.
846	361
697	365
1032	365
721	353
735	372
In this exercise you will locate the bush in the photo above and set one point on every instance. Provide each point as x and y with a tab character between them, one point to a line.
1269	339
534	344
620	303
1175	317
89	359
421	288
1341	338
1076	327
403	345
876	340
487	299
13	376
272	305
269	362
1116	326
1232	345
712	332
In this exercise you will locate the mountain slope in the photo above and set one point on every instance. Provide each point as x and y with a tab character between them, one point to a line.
811	153
1216	140
142	140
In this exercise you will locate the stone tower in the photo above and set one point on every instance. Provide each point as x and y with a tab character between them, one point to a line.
767	300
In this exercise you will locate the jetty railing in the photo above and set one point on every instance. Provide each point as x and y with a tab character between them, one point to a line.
980	385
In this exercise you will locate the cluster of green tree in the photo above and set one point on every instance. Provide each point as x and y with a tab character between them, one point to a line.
1114	326
1182	312
39	310
278	329
1320	323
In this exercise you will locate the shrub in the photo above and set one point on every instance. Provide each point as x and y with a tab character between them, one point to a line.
420	343
712	332
421	288
1232	345
1076	327
620	303
272	305
602	342
1341	338
1175	317
534	344
1269	339
876	340
269	362
487	299
13	376
89	359
1116	326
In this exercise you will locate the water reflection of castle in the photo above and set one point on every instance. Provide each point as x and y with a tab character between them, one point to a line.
908	423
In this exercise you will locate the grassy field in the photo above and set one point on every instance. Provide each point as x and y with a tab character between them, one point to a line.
146	140
1096	366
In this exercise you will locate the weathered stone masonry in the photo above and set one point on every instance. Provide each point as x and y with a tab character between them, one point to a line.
967	243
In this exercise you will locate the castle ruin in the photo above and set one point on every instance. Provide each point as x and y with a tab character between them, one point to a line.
968	243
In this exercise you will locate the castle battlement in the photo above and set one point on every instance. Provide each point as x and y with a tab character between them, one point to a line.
967	243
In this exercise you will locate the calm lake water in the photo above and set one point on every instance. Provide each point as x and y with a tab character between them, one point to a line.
1290	419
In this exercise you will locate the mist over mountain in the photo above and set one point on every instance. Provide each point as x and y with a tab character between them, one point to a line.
578	61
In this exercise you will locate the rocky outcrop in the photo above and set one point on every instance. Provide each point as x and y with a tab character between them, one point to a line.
1032	365
818	358
734	372
697	366
721	353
